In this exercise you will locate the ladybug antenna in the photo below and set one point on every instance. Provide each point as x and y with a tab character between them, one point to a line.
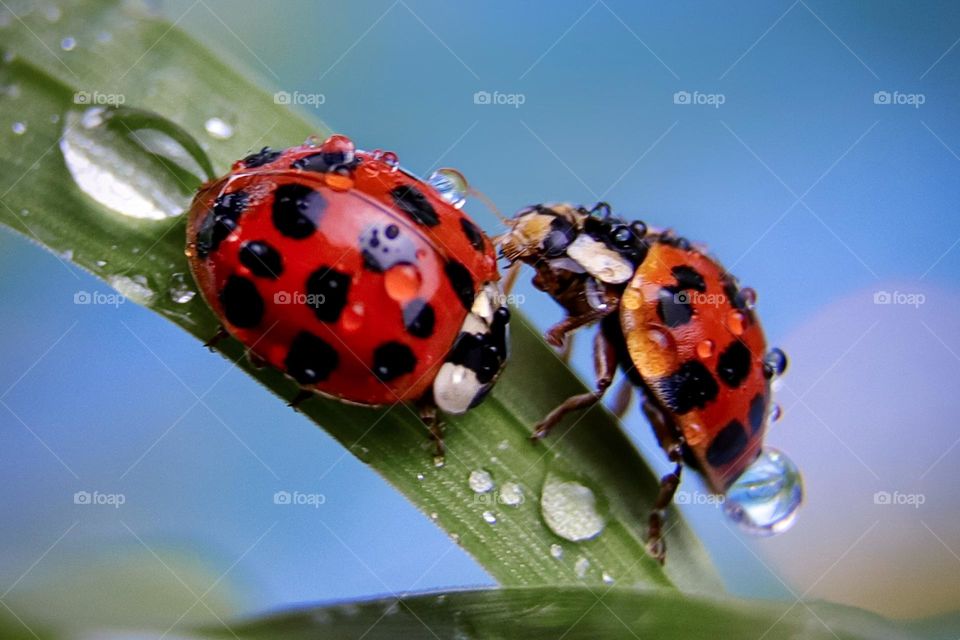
488	203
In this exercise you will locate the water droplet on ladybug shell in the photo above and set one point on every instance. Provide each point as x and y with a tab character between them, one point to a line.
774	363
402	282
338	181
747	298
735	323
705	349
450	185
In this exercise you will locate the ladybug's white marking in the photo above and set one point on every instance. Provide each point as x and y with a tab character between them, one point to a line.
599	260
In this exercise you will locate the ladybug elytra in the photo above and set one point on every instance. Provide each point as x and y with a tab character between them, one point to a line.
684	332
353	277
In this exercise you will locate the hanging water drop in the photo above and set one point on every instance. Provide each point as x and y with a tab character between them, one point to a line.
133	162
765	498
450	185
774	363
218	128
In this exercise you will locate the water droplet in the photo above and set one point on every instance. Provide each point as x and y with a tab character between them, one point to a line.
19	128
54	118
434	515
503	445
68	44
11	91
747	298
556	551
122	159
705	349
439	462
765	498
338	149
67	255
774	363
581	566
24	212
101	263
570	510
421	477
180	291
480	481
135	288
52	13
391	159
607	578
218	128
450	185
511	494
489	517
360	451
402	282
775	413
735	323
338	181
104	36
392	609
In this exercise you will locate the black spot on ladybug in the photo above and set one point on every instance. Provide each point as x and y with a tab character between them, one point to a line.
392	360
476	352
242	304
688	278
419	318
692	386
220	221
674	306
413	203
383	246
260	158
327	291
733	365
313	162
758	410
262	259
728	445
461	281
297	210
310	359
473	233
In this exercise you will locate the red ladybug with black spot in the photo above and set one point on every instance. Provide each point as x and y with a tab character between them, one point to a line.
680	328
358	280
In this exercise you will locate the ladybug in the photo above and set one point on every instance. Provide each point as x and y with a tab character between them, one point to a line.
353	277
680	328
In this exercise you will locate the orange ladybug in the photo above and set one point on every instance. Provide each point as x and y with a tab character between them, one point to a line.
683	331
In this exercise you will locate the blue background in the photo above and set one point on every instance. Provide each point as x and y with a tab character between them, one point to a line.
807	189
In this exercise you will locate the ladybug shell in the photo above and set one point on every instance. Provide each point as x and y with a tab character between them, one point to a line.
699	350
354	282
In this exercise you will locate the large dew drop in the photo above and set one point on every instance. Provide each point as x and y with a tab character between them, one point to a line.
133	162
570	510
450	185
765	499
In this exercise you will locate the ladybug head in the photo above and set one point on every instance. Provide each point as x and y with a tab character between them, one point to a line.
576	239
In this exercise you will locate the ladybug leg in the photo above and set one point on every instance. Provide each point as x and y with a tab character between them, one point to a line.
622	398
428	414
605	365
217	337
302	396
567	351
672	443
557	333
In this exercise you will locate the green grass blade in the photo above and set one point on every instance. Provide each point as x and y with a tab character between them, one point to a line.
155	67
574	613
